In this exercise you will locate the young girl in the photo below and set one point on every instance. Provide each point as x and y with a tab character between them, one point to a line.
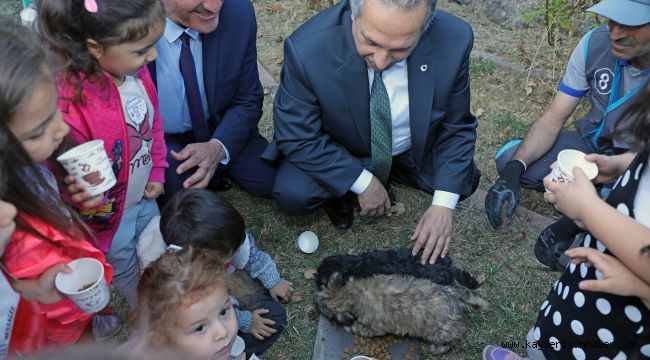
106	93
201	218
601	311
45	234
184	304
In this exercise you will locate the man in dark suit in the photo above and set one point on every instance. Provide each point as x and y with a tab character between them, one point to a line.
370	91
211	96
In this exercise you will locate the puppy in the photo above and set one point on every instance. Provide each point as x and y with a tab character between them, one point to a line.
387	262
399	305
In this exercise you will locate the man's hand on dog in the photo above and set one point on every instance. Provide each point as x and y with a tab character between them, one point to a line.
433	233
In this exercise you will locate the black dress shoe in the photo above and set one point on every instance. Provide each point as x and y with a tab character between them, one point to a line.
224	184
340	212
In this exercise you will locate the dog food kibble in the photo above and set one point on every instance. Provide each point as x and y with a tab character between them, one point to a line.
377	347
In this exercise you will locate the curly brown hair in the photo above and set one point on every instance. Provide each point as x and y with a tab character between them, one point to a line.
175	281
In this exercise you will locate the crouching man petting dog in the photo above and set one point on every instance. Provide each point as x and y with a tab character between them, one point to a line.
373	91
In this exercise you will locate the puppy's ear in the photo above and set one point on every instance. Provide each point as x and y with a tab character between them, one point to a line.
336	280
346	318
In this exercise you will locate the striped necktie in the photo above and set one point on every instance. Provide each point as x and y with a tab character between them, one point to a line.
381	129
192	92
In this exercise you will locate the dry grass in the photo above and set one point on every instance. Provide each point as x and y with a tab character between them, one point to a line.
515	284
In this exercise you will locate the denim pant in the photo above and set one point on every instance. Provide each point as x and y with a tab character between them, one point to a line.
276	313
122	255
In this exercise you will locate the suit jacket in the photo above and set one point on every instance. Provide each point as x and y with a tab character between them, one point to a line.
232	85
321	112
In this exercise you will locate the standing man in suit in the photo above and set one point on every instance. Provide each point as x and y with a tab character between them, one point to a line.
372	91
211	96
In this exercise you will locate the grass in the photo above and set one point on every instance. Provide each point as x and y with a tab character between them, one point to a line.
515	285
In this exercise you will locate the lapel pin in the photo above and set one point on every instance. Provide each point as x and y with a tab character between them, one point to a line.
423	67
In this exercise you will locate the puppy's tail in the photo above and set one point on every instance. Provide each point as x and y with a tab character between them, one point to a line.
474	302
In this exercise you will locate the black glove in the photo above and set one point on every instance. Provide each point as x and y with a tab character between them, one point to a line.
506	188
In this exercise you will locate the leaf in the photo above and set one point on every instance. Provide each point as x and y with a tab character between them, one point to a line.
275	7
397	209
309	273
480	279
479	112
265	231
530	87
505	132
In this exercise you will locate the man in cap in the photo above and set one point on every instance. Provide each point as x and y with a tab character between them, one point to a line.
609	65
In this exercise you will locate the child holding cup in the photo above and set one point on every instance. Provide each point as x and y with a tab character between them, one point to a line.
600	306
106	94
46	235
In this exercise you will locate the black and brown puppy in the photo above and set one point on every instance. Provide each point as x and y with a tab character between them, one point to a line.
399	305
387	262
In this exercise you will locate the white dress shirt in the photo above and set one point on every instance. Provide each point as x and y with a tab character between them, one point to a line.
396	82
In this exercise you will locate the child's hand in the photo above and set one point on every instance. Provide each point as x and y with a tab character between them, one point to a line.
42	289
617	278
609	167
80	196
261	327
571	199
153	190
282	291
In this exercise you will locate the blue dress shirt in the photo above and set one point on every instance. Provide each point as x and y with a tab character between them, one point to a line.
173	104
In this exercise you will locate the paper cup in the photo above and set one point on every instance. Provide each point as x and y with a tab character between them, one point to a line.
89	165
307	242
28	16
85	285
569	159
237	348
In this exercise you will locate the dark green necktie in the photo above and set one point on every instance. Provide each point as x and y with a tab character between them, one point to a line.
381	129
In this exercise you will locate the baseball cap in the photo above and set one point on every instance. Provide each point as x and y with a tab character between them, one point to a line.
624	12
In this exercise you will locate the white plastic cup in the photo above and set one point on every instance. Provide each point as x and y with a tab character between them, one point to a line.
89	165
237	348
85	285
569	159
28	16
307	242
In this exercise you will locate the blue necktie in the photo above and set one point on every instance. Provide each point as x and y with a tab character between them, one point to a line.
381	129
192	92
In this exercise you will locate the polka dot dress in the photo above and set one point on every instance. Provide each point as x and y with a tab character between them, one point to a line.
576	324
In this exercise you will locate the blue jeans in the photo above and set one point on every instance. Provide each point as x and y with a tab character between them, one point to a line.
122	255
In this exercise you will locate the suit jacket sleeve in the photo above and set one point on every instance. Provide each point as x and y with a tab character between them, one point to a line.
453	150
240	120
298	129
